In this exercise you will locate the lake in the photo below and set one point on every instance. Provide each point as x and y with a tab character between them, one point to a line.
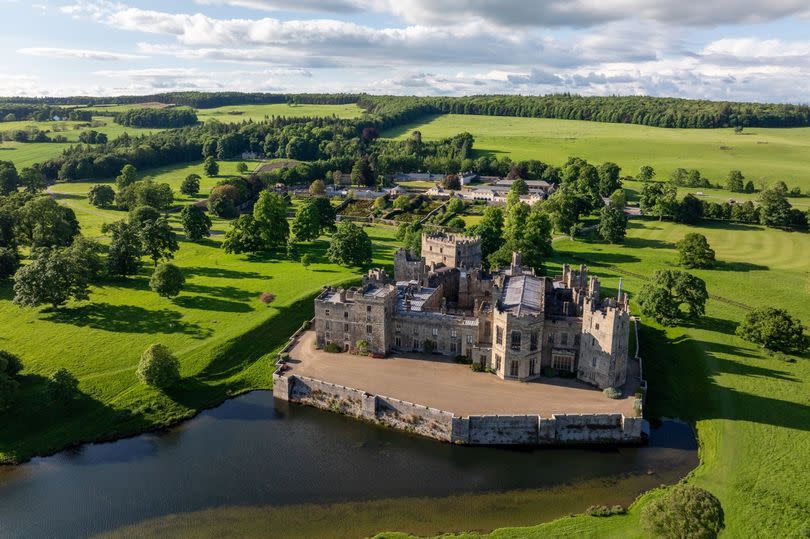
258	466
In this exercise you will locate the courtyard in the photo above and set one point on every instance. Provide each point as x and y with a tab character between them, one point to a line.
441	383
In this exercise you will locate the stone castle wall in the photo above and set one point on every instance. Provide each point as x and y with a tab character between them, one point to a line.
469	430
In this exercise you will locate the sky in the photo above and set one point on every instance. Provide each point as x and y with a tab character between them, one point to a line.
746	50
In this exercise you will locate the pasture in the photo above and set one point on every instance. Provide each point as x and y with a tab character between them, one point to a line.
218	328
257	113
764	155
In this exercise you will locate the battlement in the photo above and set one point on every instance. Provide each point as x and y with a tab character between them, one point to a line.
452	250
450	239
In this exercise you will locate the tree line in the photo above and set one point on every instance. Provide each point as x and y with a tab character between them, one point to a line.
156	117
13	112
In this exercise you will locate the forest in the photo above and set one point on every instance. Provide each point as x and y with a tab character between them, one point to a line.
156	117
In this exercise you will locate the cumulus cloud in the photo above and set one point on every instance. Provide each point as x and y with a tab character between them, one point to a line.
80	54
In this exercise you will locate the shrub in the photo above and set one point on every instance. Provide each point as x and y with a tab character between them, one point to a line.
9	262
267	297
62	386
773	329
464	360
605	511
332	348
427	347
362	346
612	393
307	259
158	367
167	280
10	364
684	511
477	367
8	391
550	372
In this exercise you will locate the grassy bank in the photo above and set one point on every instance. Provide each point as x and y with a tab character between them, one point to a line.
762	154
218	328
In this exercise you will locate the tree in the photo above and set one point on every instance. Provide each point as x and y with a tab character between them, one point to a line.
8	391
451	182
142	215
86	254
223	200
536	242
270	213
658	199
241	167
9	262
326	213
158	367
662	296
10	364
380	203
244	236
612	223
456	223
564	208
685	512
689	211
609	180
410	234
774	329
646	173
307	259
52	278
749	187
734	181
145	193
210	166
350	245
694	251
158	240
101	196
317	188
402	202
455	205
361	173
33	180
774	208
167	280
490	230
306	225
42	222
520	187
619	198
196	223
128	176
126	248
62	386
191	185
9	179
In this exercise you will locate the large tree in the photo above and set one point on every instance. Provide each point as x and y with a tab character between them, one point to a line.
664	295
126	248
734	181
609	180
128	176
158	240
350	245
33	180
564	208
658	199
9	178
101	196
42	222
490	230
210	167
190	185
244	236
306	225
362	173
612	223
775	210
689	211
774	329
158	367
694	251
196	223
685	512
52	278
9	262
270	213
167	280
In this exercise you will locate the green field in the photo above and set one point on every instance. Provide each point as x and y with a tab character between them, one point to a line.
238	113
218	328
751	412
762	154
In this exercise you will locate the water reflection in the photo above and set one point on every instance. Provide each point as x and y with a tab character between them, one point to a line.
254	453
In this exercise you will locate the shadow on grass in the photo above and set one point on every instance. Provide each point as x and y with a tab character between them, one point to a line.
126	319
721	265
36	425
683	374
207	303
230	292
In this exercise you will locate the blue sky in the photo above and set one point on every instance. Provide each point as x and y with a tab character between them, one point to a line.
717	49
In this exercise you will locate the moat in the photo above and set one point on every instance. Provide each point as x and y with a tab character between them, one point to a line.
255	465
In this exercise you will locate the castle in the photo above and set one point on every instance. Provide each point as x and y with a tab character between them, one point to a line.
510	321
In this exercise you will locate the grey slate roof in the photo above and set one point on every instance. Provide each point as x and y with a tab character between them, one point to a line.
523	294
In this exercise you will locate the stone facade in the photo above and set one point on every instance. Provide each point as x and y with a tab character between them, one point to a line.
510	321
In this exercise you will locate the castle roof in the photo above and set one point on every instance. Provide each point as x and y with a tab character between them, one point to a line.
522	295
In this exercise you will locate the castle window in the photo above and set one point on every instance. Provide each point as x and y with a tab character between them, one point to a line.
533	341
469	339
452	346
564	339
550	338
345	314
498	335
327	325
326	312
346	327
328	336
497	362
593	361
398	342
368	329
398	328
562	362
516	340
454	333
416	330
435	332
416	345
597	325
368	308
513	368
532	367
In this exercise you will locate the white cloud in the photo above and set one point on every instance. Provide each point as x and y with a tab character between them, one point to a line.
80	54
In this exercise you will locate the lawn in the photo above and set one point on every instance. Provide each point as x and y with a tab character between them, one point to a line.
762	154
222	334
257	113
751	412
